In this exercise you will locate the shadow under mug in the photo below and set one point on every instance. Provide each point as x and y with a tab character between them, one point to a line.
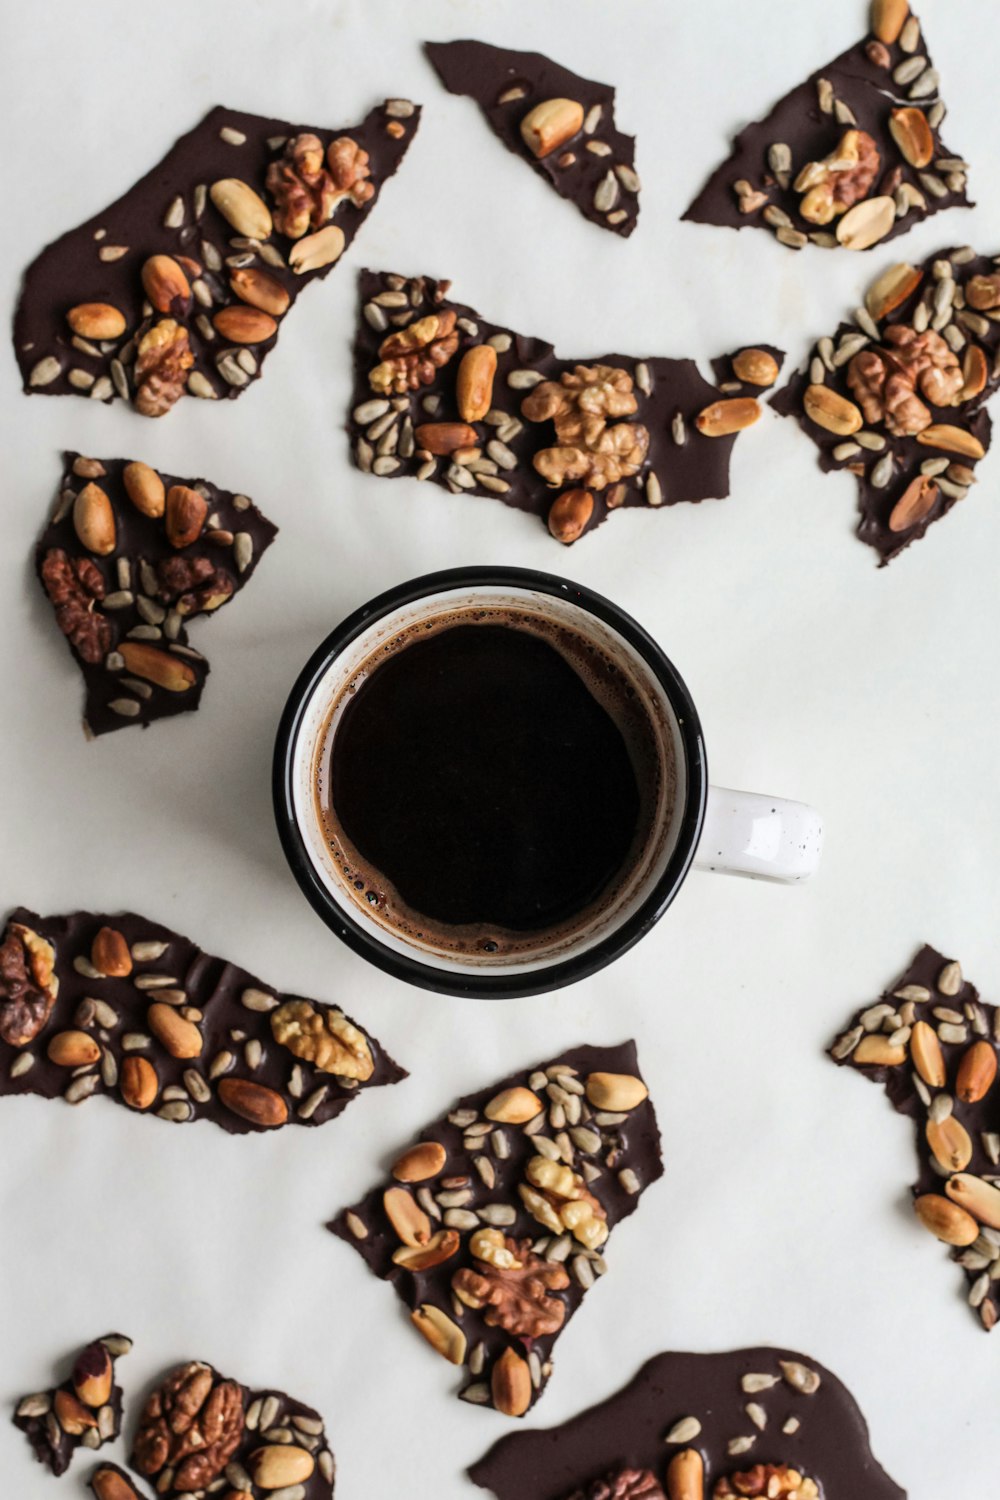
708	827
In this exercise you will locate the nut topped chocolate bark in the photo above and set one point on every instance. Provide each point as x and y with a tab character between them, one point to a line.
121	1006
933	1044
85	1411
897	397
561	124
201	1432
495	1222
128	558
764	1423
444	395
850	158
179	288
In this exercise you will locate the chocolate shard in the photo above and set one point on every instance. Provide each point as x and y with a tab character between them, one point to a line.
129	558
562	125
494	1224
814	1441
180	286
933	1044
94	1004
898	396
851	158
200	1431
84	1411
440	393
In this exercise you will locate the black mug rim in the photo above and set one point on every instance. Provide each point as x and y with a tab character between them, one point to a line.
498	986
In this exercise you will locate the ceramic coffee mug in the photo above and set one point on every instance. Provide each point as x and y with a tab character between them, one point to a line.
701	826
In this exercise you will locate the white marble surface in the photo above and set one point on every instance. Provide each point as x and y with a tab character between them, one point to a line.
782	1216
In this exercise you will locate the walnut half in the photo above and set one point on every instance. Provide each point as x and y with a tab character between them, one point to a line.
326	1039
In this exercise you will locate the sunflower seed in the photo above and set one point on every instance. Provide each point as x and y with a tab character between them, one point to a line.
583	1271
792	1425
628	1180
382	467
231	136
364	453
757	1414
753	1384
426	469
824	348
126	708
308	1109
908	70
524	380
844	113
598	148
934	185
258	1000
628	178
45	371
478	1394
799	1376
592	118
81	1088
850	345
221	1063
498	1215
678	429
460	1218
112	252
196	1086
375	317
991	1145
654	490
948	1032
231	372
779	159
793	238
35	1406
776	217
457	1199
684	1431
950	980
22	1063
979	1289
926	84
824	95
873	441
102	389
460	1118
882	472
738	1445
866	322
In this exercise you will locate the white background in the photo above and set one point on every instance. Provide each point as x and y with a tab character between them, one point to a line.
783	1214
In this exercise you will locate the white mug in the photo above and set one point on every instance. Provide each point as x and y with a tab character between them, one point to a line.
706	827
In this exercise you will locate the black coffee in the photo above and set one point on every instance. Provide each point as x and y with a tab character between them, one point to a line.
488	780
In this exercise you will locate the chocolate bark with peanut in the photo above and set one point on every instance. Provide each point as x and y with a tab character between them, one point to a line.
441	394
85	1411
751	1423
851	158
129	557
562	125
494	1225
934	1044
180	287
898	396
138	1013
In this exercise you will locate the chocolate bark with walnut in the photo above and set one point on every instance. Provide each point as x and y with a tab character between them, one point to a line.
180	286
144	1016
127	559
444	395
592	165
84	1411
494	1225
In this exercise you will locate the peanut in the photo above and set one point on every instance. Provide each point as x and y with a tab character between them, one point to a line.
406	1217
888	19
755	367
946	1220
951	440
877	1052
145	489
474	389
441	1332
866	223
94	520
253	1101
892	289
439	1248
108	1484
96	320
950	1142
180	1037
317	250
686	1476
73	1049
73	1416
976	1073
617	1092
724	417
166	286
917	501
93	1376
280	1465
928	1059
913	136
569	514
260	289
976	1197
240	324
441	438
168	672
138	1082
510	1384
420	1162
110	954
831	411
242	208
186	511
550	125
515	1106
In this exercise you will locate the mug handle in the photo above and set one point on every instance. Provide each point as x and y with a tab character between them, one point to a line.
767	838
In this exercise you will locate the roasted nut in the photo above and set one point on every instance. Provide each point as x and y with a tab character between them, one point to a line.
108	1484
181	1038
913	136
866	223
831	411
892	289
71	1414
618	1092
145	489
149	662
925	1049
406	1217
138	1082
440	1331
186	512
755	367
73	1049
253	1101
242	208
976	1073
110	954
951	440
304	191
550	125
239	324
412	357
260	289
559	1199
569	515
191	1427
514	1106
878	1052
441	438
841	179
280	1465
946	1219
579	405
510	1384
96	320
686	1476
94	520
775	1481
348	165
474	382
514	1285
420	1163
888	19
74	588
950	1143
976	1197
983	292
93	1375
162	361
28	986
975	373
166	286
317	250
326	1038
439	1248
724	417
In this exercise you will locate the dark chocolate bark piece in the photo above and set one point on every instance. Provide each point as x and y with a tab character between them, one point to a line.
118	1005
109	1482
852	157
84	1411
897	397
753	1422
494	1224
180	286
128	558
440	393
200	1429
933	1043
569	122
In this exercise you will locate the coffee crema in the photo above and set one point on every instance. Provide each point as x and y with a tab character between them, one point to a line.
487	780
